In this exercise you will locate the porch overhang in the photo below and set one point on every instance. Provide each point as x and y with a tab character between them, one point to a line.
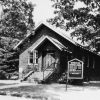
54	41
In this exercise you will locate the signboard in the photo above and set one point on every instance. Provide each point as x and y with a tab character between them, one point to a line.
75	69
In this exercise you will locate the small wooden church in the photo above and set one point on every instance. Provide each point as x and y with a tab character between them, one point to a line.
44	56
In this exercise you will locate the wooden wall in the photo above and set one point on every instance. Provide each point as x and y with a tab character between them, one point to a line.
91	60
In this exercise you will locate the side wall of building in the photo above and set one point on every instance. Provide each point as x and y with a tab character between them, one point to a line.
91	63
33	41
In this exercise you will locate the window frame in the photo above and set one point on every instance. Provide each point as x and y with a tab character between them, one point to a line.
34	57
29	58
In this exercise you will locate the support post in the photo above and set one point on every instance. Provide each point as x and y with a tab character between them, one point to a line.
43	75
66	82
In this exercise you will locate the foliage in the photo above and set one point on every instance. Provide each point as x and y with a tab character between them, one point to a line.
8	43
3	74
85	20
16	21
16	18
14	75
27	70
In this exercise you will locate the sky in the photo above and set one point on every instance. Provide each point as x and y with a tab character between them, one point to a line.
44	10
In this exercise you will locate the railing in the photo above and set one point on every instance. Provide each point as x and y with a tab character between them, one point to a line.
30	70
51	68
36	67
27	75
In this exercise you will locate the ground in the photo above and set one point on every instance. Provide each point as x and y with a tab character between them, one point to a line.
31	91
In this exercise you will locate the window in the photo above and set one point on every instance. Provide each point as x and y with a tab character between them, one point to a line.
36	57
31	57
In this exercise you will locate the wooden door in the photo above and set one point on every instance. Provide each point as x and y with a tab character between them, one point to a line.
48	60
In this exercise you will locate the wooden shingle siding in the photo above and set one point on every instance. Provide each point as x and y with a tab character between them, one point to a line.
65	51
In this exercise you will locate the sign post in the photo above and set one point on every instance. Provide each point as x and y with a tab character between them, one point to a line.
75	69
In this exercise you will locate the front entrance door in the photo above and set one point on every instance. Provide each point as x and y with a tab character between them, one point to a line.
48	60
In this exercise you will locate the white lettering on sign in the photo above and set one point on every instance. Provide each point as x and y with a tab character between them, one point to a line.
75	69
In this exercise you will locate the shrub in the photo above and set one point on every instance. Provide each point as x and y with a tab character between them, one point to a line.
3	74
14	75
16	94
4	67
3	93
27	70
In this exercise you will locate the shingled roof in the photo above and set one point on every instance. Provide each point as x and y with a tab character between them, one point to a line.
60	32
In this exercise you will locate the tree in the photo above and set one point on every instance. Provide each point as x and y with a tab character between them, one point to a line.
85	20
16	18
16	22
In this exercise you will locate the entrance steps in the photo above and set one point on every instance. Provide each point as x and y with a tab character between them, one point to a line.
27	75
39	76
48	76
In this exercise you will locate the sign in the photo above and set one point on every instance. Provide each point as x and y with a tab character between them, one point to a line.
75	69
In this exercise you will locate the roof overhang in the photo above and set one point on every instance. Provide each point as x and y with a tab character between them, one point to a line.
55	42
60	32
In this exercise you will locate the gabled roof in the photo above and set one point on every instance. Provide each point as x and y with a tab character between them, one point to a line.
75	59
60	32
55	29
59	45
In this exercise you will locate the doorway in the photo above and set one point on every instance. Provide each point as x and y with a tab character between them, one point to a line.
49	60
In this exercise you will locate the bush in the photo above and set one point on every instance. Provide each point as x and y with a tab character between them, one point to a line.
14	75
3	93
27	70
4	67
63	78
3	75
16	94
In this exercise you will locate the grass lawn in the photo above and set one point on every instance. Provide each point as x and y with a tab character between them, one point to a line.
34	88
33	91
40	90
3	84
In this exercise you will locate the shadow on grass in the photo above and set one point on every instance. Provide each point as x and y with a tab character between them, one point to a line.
3	84
35	92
